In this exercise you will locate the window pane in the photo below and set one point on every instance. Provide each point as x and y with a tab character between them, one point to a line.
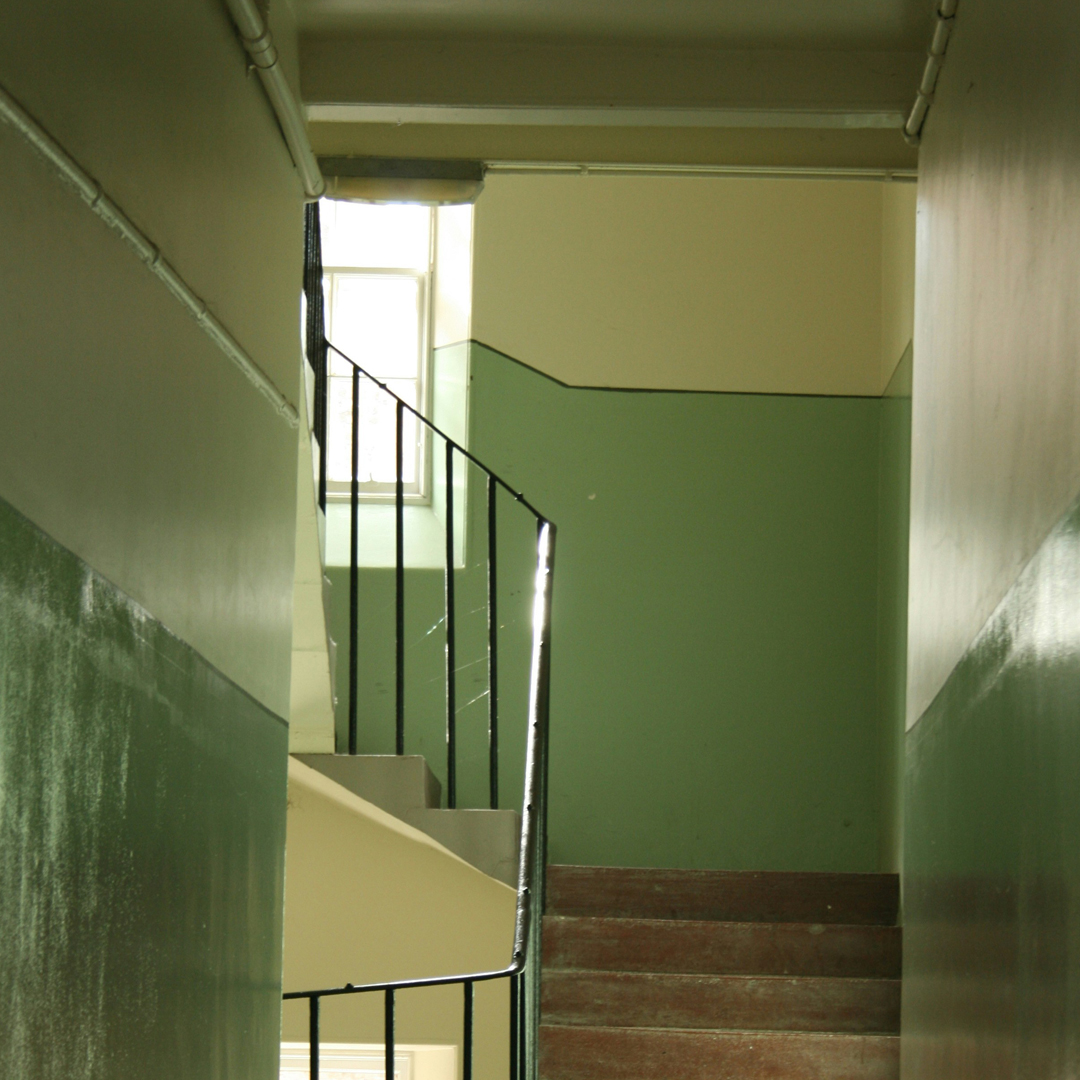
360	234
376	321
378	424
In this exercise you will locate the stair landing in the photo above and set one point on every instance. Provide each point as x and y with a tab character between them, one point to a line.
711	975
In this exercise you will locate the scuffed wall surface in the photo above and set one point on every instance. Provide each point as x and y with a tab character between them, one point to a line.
142	827
991	856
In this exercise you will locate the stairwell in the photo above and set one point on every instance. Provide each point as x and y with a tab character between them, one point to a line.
406	787
713	975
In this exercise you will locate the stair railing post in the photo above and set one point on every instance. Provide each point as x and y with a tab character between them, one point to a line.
313	1037
451	661
493	647
399	590
467	1034
354	571
539	709
388	1026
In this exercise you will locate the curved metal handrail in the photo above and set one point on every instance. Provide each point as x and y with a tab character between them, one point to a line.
524	967
533	814
438	431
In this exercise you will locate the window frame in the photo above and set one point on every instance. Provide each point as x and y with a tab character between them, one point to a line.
373	492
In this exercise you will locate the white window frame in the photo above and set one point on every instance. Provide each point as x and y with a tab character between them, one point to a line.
366	1061
372	492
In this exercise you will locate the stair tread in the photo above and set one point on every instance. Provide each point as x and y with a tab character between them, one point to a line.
721	1002
639	1053
724	1033
698	946
723	895
736	978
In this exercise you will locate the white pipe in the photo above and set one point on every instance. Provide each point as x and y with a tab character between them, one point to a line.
935	60
89	190
257	39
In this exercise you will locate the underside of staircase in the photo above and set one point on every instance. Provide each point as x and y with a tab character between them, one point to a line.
406	787
713	975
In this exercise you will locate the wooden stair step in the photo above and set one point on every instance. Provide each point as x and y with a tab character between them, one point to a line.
723	948
722	895
716	1002
609	1053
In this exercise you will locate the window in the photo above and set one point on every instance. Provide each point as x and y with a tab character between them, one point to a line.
366	1061
377	262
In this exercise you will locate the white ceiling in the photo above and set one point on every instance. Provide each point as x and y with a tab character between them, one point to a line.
814	24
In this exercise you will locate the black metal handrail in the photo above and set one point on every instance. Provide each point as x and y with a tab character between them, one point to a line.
523	971
524	967
494	481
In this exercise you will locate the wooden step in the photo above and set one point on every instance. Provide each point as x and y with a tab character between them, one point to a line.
722	895
714	948
609	1053
739	1002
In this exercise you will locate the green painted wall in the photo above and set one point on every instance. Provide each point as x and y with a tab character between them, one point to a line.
715	692
142	829
991	860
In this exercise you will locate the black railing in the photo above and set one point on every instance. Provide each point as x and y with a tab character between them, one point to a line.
523	971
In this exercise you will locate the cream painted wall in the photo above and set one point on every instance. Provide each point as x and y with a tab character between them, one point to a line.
368	898
897	275
996	401
124	432
762	286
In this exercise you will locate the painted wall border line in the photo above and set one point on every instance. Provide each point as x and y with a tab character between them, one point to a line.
91	193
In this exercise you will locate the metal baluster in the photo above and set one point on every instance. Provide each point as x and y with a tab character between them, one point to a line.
451	690
523	1063
313	1038
354	571
467	1048
493	651
388	1019
514	1034
400	583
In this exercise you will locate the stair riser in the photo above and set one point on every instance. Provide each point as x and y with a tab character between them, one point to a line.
724	1002
722	948
615	1054
617	892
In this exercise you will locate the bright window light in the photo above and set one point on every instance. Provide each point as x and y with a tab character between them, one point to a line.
377	262
365	1061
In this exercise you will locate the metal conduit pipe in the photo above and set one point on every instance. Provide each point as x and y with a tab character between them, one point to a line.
935	58
259	43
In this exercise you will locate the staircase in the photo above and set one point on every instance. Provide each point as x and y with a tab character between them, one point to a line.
406	787
713	975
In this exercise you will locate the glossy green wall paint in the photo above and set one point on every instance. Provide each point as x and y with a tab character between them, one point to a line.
991	857
714	694
142	830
